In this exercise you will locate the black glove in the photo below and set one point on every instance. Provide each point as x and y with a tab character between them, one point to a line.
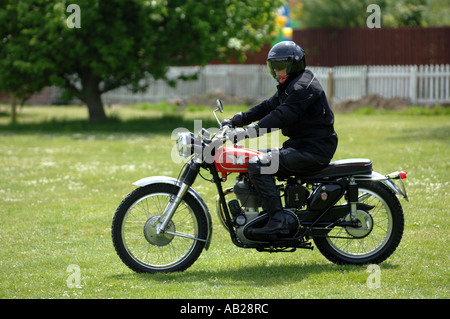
226	122
236	121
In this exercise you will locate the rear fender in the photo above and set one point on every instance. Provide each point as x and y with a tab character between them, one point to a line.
172	181
388	181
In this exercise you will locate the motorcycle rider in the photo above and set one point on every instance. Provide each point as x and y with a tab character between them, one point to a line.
300	109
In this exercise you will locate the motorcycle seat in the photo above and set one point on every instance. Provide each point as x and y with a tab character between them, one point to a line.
346	167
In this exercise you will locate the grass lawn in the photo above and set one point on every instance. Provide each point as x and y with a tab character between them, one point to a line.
62	178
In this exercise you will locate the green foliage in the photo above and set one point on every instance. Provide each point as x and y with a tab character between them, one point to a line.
19	75
437	13
120	43
336	14
405	13
353	13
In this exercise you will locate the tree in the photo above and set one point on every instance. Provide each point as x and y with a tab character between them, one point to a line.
437	13
405	13
117	43
18	77
336	14
353	13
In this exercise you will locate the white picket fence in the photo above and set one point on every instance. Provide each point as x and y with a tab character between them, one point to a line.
246	81
425	84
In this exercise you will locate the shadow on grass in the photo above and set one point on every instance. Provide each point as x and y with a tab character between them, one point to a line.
154	125
424	134
251	275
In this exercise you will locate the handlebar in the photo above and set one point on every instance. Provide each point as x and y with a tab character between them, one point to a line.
222	133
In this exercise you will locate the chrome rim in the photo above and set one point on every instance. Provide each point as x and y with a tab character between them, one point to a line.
363	243
158	251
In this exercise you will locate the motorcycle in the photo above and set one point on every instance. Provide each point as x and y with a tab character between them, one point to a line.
351	213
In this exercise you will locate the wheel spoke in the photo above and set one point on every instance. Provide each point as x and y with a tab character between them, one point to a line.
161	250
342	240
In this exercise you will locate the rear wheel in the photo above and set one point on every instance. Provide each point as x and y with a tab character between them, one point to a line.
380	232
135	236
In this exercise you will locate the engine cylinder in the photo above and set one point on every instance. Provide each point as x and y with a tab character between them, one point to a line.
246	194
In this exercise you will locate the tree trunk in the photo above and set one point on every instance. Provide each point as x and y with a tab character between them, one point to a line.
13	108
95	107
91	95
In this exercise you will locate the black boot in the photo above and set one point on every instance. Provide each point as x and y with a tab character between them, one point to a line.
275	226
265	185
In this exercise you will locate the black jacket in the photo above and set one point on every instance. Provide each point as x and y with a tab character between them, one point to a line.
300	109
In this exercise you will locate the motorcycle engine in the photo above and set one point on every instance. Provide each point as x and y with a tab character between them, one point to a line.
247	194
246	215
249	200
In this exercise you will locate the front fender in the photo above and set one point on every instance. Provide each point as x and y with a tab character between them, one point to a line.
172	181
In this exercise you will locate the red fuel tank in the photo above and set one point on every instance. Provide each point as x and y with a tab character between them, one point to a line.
233	159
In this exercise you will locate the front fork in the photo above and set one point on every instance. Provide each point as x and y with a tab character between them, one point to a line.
186	181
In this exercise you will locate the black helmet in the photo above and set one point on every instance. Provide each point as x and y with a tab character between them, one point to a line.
286	55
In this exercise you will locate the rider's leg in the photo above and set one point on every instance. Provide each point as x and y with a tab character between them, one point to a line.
265	185
283	162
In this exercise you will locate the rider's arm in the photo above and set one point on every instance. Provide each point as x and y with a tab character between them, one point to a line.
256	112
288	113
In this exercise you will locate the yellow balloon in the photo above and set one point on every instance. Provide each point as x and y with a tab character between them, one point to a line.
287	32
281	20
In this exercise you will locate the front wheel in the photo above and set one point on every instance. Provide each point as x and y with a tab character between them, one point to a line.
135	236
380	232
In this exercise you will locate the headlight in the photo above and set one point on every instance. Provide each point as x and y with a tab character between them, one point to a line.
185	144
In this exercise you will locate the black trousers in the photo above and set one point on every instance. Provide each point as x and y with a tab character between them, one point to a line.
282	163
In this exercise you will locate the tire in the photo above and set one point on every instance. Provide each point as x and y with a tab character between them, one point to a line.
134	230
377	240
